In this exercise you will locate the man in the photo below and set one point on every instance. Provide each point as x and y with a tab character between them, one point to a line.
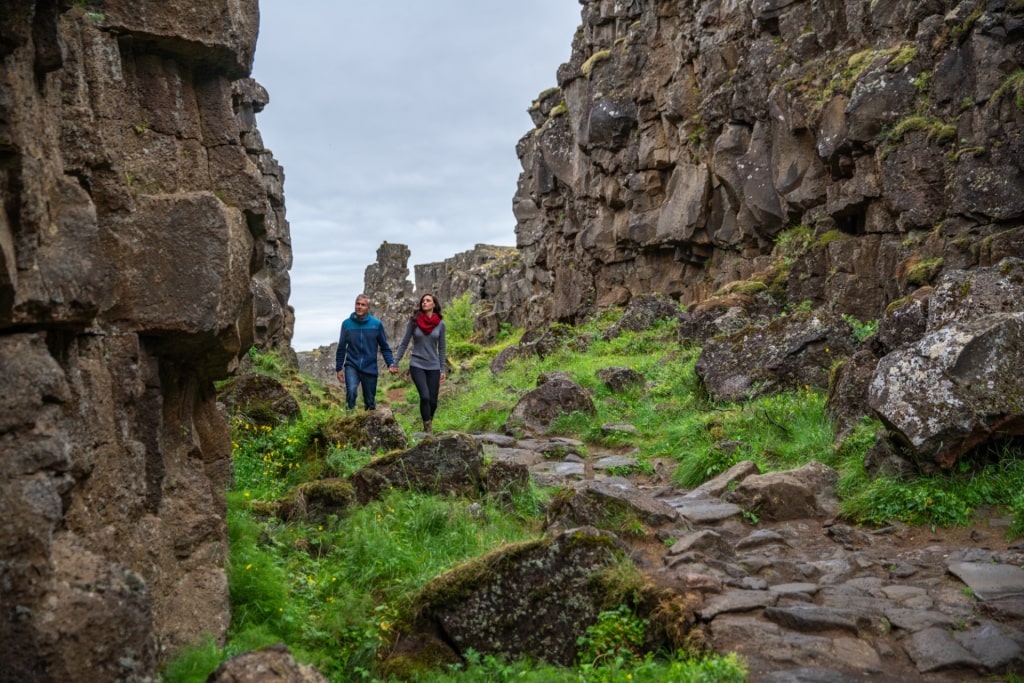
362	336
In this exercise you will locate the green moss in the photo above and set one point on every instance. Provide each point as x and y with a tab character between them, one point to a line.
905	56
746	287
558	110
962	30
937	131
923	82
975	151
1012	86
598	56
923	271
792	243
831	236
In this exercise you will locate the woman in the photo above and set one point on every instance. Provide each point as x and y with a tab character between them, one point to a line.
427	362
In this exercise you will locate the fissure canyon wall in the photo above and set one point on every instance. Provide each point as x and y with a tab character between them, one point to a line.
841	152
143	250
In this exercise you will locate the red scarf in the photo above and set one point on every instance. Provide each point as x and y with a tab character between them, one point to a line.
427	324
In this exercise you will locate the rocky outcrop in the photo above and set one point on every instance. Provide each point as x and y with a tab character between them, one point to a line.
685	141
556	395
492	276
143	248
390	292
747	160
970	359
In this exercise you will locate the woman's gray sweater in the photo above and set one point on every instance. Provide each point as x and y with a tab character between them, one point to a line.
428	351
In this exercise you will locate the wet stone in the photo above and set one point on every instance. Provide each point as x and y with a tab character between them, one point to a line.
736	601
812	619
761	538
703	510
991	645
519	456
918	620
613	461
990	581
934	649
500	440
789	589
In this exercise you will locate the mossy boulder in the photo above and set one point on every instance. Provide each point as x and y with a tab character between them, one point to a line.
449	464
532	599
788	353
374	430
556	394
314	501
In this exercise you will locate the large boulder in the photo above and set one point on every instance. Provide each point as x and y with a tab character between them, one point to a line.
448	464
556	395
959	387
808	491
788	353
260	398
532	599
643	312
373	430
962	383
608	505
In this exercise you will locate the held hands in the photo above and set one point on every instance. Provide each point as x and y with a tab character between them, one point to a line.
393	369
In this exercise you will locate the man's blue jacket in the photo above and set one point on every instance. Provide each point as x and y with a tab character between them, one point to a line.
359	342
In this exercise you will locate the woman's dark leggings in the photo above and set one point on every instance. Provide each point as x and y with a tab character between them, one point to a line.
428	384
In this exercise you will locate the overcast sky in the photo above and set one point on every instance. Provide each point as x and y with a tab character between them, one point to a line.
397	121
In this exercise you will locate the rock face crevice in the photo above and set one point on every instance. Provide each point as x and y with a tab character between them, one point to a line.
143	249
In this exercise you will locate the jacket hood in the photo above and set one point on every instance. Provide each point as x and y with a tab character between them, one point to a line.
360	321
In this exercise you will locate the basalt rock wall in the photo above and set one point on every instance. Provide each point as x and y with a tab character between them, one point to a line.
143	250
688	143
838	152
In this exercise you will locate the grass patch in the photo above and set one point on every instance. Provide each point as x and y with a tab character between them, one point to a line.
332	590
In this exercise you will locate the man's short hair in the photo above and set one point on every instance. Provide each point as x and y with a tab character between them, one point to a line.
363	296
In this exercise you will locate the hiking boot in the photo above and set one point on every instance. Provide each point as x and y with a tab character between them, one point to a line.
428	426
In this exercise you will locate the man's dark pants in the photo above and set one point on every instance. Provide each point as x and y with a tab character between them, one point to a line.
354	378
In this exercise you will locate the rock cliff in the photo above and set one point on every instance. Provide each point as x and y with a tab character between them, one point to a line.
845	159
685	141
837	152
143	250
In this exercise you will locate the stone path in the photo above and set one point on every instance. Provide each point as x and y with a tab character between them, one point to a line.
815	600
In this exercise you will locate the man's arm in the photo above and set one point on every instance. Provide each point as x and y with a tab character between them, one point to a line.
385	349
339	356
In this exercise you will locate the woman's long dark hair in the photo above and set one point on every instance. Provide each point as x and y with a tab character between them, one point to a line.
419	307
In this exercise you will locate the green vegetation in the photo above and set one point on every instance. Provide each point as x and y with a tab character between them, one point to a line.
904	56
598	56
334	590
938	131
793	243
861	330
558	109
1013	86
922	271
